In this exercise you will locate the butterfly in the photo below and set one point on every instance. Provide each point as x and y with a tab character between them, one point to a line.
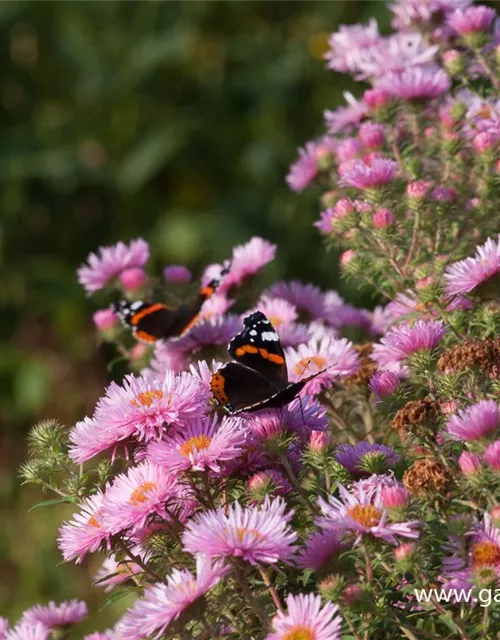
259	377
152	321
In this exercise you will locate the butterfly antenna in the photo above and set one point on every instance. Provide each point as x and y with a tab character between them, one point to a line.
302	411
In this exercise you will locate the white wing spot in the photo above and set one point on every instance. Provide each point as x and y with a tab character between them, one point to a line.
253	332
270	336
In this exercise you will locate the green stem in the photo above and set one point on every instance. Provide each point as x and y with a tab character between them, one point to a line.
271	589
252	602
295	481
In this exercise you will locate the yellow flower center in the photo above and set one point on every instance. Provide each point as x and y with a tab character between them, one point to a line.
92	521
299	633
195	444
485	553
146	398
305	365
139	494
241	531
275	321
367	515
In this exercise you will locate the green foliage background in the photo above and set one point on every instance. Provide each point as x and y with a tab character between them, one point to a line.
175	121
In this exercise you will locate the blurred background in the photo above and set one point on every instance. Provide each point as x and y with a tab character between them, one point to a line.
174	121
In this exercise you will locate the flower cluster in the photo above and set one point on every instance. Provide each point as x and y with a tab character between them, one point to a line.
364	463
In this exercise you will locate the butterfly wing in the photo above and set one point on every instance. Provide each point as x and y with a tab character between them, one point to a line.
258	347
149	321
239	388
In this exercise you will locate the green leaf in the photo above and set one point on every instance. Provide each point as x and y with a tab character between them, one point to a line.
46	503
117	595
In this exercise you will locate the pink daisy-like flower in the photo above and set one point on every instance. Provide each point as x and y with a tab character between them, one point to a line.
492	455
321	547
305	297
353	457
28	631
4	627
346	44
202	444
257	534
409	13
209	332
469	463
283	315
307	618
362	513
338	357
308	165
384	384
465	275
348	149
143	408
416	83
110	262
360	175
167	356
472	19
177	273
300	417
405	340
345	118
474	422
101	635
373	135
113	573
139	494
56	615
164	603
86	532
246	261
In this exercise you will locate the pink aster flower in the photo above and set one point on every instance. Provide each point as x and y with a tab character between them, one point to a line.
209	332
345	118
144	491
246	261
203	444
105	319
362	513
469	463
28	631
492	455
309	163
268	482
167	356
164	603
86	532
319	549
472	19
101	635
373	135
348	149
4	627
474	422
338	357
405	340
112	572
465	275
257	534
306	616
354	457
408	13
283	315
56	615
305	297
358	174
384	384
110	262
346	44
177	273
416	83
143	408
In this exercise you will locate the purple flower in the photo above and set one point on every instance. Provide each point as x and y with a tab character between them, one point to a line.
362	513
354	457
268	482
405	340
492	455
86	532
4	628
167	356
202	444
416	83
299	417
105	319
345	118
348	149
408	13
28	631
373	135
469	463
347	43
306	618
164	603
177	273
110	262
139	494
321	547
465	275
56	615
305	297
474	422
257	534
337	357
209	332
384	384
309	163
142	408
114	572
358	174
472	19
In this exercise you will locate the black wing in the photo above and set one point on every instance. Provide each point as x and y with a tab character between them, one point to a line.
258	347
239	388
149	321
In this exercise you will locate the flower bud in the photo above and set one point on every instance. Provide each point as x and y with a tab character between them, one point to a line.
444	194
484	141
344	207
328	199
492	455
346	257
132	278
319	441
384	384
382	218
177	273
469	463
268	482
324	157
405	551
105	319
376	98
372	135
395	497
495	516
348	149
417	190
454	62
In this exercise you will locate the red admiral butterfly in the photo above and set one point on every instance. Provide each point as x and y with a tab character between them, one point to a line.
152	321
259	378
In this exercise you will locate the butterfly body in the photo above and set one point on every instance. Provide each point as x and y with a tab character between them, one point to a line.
152	321
258	379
